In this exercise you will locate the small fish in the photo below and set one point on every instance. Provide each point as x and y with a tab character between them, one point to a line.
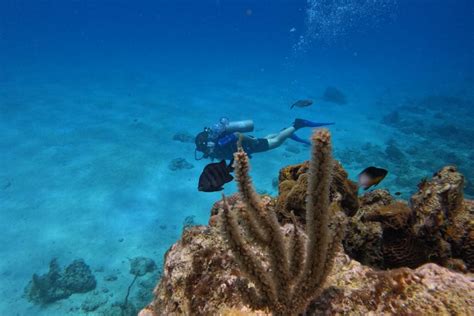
214	176
371	176
302	103
398	193
292	30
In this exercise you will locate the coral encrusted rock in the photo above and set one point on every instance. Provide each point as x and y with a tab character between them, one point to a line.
293	186
200	277
436	226
443	219
57	284
402	258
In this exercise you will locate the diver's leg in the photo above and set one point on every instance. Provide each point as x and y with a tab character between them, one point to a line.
275	140
248	139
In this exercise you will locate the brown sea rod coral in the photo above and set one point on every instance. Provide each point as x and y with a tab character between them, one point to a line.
286	271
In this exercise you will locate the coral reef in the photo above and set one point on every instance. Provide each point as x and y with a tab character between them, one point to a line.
442	219
57	284
436	227
293	181
200	277
428	120
424	248
189	221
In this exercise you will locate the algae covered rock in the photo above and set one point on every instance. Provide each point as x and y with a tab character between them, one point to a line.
442	217
363	242
56	284
78	277
293	181
200	277
436	226
140	266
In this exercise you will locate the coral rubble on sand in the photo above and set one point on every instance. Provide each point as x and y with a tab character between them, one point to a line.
57	284
414	258
179	164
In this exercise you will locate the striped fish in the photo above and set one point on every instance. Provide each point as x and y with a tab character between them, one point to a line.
214	176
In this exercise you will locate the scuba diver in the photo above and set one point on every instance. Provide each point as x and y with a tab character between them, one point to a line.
220	140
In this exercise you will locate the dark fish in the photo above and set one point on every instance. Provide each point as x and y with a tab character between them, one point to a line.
214	176
334	95
371	176
398	193
302	103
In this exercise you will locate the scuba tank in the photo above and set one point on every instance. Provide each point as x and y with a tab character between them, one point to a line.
223	131
225	126
239	126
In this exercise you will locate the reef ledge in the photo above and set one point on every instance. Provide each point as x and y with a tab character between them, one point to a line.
201	275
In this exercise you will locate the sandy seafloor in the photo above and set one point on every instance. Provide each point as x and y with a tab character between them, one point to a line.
85	156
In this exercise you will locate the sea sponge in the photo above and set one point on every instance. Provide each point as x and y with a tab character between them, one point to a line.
436	227
401	249
363	242
395	215
442	218
293	184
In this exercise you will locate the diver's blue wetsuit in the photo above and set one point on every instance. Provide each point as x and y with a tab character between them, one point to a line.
225	143
226	146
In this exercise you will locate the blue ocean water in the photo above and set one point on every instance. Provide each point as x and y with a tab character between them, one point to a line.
98	98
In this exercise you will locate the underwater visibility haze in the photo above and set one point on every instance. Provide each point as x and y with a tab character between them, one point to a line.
119	121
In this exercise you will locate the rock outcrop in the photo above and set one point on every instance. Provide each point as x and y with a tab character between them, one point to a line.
411	258
436	226
201	278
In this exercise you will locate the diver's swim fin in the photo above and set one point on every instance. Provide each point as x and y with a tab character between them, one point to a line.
300	123
299	140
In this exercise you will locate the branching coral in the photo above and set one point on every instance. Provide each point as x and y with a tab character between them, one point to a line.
287	272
